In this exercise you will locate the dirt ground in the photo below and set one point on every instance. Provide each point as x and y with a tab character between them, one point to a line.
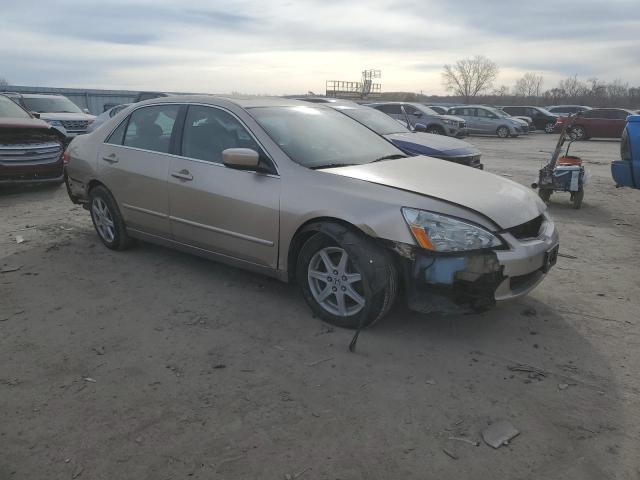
153	364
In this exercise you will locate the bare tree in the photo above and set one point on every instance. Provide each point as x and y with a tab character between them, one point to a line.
501	91
3	82
530	85
572	87
470	76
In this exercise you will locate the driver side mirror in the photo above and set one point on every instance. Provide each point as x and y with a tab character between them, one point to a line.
35	114
241	158
419	127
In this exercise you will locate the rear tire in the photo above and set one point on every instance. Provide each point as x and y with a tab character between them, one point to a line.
107	219
545	194
349	282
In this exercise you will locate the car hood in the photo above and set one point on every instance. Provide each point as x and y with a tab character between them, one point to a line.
452	117
23	123
67	116
505	202
432	145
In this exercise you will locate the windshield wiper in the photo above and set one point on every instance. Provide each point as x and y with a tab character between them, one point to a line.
331	165
395	156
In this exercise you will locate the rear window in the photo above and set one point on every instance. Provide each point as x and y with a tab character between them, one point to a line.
51	104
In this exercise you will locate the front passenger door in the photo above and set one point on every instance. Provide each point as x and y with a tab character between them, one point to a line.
231	212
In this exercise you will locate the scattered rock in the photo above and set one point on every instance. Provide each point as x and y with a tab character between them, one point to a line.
98	350
431	381
89	379
20	239
529	312
499	433
563	386
219	366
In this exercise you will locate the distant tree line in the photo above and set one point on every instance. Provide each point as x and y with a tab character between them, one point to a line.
472	80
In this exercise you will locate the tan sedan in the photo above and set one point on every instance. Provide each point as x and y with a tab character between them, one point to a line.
303	193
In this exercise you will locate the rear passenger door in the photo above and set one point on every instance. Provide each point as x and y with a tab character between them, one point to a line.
133	163
231	212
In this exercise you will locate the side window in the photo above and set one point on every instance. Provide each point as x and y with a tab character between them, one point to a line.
150	128
618	115
595	113
117	136
481	112
393	109
412	111
209	130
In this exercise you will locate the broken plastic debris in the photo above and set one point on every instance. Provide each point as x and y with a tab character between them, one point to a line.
19	239
499	433
563	386
89	379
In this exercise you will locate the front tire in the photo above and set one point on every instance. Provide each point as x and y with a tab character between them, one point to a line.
502	132
107	219
578	132
435	130
350	282
549	127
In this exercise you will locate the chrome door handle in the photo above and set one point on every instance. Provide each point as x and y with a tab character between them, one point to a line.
113	158
182	175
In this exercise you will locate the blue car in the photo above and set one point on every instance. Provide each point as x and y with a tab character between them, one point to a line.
626	172
412	142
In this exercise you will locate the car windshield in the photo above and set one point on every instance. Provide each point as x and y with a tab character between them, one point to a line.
8	109
497	112
379	122
428	110
544	110
317	137
51	105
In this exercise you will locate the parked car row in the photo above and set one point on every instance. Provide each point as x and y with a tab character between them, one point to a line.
317	194
57	110
30	149
596	122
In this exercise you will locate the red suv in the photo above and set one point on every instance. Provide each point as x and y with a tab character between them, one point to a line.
30	150
599	122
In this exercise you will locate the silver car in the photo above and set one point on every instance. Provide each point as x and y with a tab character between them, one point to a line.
413	114
305	194
490	121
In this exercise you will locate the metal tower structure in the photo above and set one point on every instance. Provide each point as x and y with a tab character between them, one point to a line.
363	89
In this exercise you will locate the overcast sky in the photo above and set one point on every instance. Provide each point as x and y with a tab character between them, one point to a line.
278	47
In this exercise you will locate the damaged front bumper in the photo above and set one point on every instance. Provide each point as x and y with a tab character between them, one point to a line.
458	282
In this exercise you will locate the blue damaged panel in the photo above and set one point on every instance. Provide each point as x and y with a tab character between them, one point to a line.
443	269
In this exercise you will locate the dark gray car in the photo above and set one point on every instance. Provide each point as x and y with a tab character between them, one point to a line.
416	113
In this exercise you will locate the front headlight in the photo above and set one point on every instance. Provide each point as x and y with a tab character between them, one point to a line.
54	123
441	233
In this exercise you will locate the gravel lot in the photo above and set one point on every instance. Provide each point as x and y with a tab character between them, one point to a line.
153	364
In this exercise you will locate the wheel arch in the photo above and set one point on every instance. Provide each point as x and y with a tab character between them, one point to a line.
324	225
436	126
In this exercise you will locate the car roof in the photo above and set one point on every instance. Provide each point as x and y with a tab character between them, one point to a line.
243	102
40	95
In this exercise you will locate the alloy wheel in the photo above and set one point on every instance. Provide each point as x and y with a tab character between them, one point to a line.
103	220
334	283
